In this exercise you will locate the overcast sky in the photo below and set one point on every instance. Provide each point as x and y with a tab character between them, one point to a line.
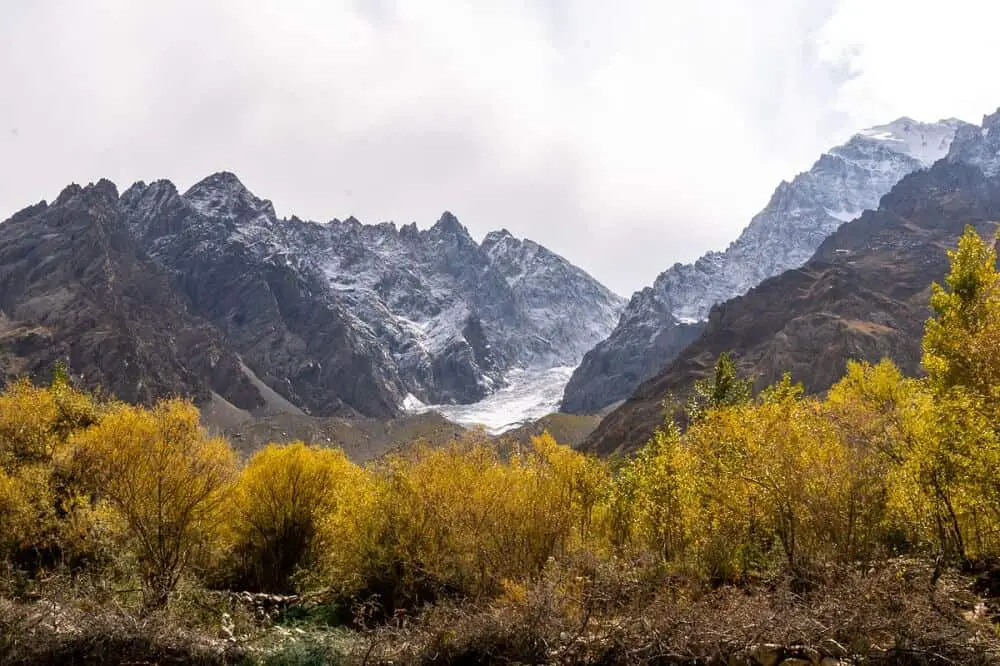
624	135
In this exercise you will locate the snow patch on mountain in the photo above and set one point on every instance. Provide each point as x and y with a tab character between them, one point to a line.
844	182
528	396
441	318
925	142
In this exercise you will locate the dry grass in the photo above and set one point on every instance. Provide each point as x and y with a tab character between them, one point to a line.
890	615
46	632
586	611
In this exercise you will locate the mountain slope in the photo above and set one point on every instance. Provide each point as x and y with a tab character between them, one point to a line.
863	294
225	259
661	320
74	288
207	294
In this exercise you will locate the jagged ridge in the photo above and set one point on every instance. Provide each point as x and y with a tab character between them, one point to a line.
660	320
331	318
863	295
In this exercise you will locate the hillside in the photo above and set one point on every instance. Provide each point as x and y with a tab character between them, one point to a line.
863	295
661	320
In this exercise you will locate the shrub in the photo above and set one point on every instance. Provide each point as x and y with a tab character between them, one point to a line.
45	521
168	481
460	520
282	493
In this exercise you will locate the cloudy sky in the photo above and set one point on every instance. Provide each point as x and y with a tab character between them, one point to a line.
625	135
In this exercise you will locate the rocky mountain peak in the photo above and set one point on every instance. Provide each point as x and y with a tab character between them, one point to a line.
409	231
153	195
494	238
68	192
371	317
448	224
801	213
104	188
101	192
862	296
979	146
222	195
924	142
74	287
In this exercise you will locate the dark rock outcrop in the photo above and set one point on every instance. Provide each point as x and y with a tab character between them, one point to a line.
74	288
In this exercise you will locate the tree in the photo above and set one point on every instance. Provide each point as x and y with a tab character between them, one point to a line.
281	495
962	339
953	459
724	389
653	497
167	479
37	497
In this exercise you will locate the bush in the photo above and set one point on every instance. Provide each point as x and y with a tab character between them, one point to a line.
168	481
46	522
460	520
281	494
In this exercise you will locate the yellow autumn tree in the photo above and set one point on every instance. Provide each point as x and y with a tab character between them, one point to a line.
874	410
962	339
168	480
753	482
282	493
460	519
44	518
952	460
654	498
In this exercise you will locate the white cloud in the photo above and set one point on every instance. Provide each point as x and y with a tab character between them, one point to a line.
932	59
623	135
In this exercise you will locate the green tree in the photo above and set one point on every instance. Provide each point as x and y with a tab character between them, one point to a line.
725	388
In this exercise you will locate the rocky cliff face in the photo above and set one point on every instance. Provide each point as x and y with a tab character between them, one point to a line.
75	288
659	321
863	294
369	315
335	318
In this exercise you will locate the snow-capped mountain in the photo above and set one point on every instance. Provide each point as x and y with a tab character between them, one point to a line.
371	317
660	320
861	296
979	146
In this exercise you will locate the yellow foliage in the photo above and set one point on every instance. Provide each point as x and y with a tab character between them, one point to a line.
962	339
462	519
25	508
168	480
950	460
654	498
349	547
781	471
35	423
280	496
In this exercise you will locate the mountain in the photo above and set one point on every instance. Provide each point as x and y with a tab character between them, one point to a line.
327	319
863	295
75	288
661	320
